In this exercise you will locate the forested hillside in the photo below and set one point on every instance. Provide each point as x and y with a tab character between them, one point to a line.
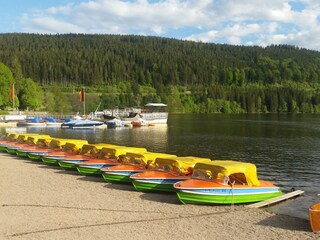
191	77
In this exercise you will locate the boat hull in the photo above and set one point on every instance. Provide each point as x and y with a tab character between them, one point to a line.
192	198
195	191
150	187
82	124
69	164
11	151
155	181
90	171
38	155
21	153
94	167
2	148
50	161
120	173
117	177
314	215
35	156
54	160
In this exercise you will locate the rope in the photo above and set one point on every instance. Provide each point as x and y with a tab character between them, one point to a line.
232	191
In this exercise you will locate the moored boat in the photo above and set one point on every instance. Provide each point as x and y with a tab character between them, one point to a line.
225	182
87	152
70	148
4	137
132	163
165	173
9	138
115	123
141	123
110	156
32	122
80	123
30	142
40	145
20	142
314	215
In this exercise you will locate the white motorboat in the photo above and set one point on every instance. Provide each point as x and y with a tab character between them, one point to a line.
82	124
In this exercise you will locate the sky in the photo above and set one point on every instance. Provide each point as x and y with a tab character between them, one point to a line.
236	22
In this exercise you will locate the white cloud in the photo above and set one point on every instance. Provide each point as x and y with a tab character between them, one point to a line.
236	22
52	25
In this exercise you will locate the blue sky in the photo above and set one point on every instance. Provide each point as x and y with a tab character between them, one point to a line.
238	22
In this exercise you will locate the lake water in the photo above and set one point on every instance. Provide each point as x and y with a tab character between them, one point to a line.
285	148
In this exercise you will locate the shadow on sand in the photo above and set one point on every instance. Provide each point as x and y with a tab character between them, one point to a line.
165	197
120	186
287	223
28	161
68	172
90	178
48	166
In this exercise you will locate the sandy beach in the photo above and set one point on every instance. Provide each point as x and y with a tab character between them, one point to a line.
41	202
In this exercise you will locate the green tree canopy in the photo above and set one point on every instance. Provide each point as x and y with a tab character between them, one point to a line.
6	81
29	94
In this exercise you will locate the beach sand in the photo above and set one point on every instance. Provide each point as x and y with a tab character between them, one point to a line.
42	202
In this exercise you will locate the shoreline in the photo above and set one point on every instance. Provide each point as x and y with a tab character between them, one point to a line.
42	202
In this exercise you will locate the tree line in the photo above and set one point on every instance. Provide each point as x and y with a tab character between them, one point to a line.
119	70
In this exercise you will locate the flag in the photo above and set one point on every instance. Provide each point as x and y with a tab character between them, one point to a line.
12	92
81	95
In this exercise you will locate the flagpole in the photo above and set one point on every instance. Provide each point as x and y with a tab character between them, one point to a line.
84	102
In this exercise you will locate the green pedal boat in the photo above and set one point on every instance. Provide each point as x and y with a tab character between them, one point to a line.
165	173
225	182
132	163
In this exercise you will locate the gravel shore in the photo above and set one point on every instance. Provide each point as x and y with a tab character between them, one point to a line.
41	202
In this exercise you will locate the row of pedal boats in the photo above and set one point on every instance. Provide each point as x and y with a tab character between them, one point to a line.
195	180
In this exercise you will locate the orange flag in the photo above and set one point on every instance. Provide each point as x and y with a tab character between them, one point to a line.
12	92
81	95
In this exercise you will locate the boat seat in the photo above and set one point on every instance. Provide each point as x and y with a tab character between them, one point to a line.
238	178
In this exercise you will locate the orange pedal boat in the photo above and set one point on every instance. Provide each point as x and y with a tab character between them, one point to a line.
314	215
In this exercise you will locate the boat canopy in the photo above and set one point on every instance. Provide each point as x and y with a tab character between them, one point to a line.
33	139
44	142
58	142
220	168
5	135
12	136
117	151
24	137
74	145
183	164
144	159
92	149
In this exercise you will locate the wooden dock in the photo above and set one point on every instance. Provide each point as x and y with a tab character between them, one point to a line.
276	199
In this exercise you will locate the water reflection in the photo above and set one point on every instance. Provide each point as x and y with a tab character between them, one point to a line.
20	130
